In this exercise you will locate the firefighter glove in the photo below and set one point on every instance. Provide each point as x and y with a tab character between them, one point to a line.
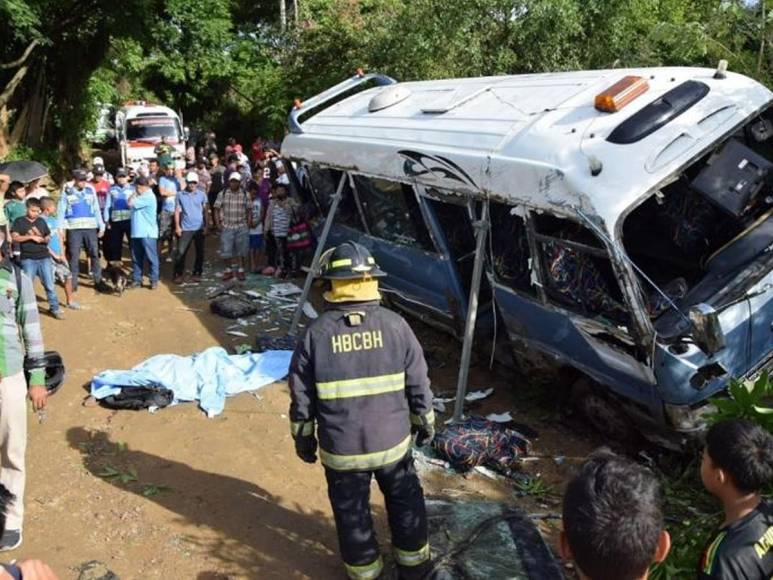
306	448
425	434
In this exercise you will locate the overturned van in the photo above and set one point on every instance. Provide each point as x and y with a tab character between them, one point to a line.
629	216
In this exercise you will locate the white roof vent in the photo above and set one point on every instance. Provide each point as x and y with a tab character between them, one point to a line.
389	96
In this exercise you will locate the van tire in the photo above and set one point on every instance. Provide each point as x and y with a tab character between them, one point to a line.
603	413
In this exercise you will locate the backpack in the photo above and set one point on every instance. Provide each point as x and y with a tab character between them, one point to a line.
476	441
136	398
232	307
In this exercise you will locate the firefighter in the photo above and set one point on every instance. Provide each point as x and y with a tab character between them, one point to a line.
359	379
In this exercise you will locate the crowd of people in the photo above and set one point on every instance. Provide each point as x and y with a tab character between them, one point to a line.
157	210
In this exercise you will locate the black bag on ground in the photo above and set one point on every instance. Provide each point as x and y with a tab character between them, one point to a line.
136	398
264	342
232	307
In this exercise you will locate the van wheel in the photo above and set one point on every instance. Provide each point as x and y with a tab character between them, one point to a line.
603	414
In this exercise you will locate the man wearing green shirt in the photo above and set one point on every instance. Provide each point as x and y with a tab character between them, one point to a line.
21	340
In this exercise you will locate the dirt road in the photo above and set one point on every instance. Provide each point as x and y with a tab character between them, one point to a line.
176	495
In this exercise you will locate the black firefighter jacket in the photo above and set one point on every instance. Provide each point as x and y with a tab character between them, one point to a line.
360	374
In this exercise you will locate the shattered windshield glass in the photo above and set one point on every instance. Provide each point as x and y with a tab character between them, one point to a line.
710	220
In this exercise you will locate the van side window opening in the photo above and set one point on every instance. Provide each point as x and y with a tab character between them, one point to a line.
510	248
392	212
578	274
456	225
324	183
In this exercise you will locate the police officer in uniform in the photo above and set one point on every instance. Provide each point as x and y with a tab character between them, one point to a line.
359	379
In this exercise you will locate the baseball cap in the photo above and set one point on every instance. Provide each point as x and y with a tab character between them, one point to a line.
235	175
141	180
97	161
79	175
121	172
99	170
192	177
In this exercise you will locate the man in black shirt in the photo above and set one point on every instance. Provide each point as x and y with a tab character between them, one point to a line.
32	234
737	464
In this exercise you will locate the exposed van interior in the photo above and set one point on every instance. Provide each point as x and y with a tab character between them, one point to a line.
701	222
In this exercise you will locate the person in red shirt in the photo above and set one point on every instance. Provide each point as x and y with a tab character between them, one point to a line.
100	184
257	151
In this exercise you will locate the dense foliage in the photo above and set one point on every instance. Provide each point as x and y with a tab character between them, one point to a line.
229	64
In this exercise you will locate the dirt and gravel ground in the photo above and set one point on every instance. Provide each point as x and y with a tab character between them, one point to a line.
177	495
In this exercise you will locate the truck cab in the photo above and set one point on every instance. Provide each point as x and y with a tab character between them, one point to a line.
140	127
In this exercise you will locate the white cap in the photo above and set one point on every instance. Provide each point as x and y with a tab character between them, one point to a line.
235	175
283	180
98	161
192	177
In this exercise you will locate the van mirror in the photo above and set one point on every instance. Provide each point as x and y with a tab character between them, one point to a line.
706	328
186	133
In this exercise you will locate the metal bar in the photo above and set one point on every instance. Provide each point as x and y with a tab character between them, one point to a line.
293	119
481	231
336	199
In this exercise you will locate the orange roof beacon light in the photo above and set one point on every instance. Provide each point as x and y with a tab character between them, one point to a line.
360	73
297	103
621	93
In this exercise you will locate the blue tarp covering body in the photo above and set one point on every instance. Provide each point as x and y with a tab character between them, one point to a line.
208	377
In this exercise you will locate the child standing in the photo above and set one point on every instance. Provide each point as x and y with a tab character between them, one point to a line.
256	228
280	211
737	464
32	234
62	272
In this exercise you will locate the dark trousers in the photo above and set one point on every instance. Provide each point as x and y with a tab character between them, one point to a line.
183	243
282	255
270	249
349	493
114	239
76	239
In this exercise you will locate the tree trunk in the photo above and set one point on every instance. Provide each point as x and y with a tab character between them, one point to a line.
4	132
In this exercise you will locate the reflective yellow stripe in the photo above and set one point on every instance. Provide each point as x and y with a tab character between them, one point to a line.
366	461
361	387
305	428
426	419
339	263
407	558
366	572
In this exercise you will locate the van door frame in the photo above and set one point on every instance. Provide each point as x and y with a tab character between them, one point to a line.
642	370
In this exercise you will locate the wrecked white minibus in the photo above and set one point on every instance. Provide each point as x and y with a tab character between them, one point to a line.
629	219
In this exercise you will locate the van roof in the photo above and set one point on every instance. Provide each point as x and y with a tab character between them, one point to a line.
525	139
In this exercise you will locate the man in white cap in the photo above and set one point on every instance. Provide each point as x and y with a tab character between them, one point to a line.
99	164
232	215
191	224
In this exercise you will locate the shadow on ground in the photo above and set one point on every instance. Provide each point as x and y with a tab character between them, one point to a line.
250	528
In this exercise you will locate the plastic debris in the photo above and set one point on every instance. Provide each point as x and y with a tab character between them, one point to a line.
505	417
471	396
285	289
478	395
237	333
309	311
